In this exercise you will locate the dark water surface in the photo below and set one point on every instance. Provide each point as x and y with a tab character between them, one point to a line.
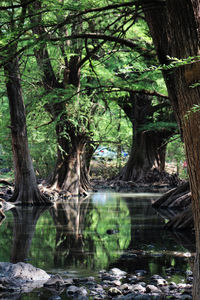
77	239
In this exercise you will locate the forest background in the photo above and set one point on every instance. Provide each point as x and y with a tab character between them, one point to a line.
100	67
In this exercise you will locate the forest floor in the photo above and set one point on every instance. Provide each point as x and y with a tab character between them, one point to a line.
104	176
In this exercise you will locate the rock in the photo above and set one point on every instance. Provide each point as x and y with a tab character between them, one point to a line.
117	282
183	286
172	285
152	289
125	286
9	285
140	272
68	281
132	296
156	276
85	279
23	271
117	273
113	291
159	281
138	288
108	277
55	280
186	297
142	283
76	291
55	297
98	293
133	279
20	277
107	283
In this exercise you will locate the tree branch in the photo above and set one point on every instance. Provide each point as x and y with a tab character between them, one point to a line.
16	5
99	36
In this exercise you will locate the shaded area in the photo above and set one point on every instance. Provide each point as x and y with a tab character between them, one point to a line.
153	248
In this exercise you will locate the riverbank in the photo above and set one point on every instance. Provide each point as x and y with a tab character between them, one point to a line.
114	284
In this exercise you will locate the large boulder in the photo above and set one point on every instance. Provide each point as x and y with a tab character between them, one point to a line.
21	276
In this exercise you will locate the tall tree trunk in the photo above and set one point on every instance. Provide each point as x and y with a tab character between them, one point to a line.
86	157
147	150
71	139
177	35
26	190
146	154
67	172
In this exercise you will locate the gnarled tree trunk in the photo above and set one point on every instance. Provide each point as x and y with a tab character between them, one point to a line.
71	138
148	146
26	190
67	172
146	154
175	28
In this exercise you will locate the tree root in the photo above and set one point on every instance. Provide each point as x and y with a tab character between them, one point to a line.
28	197
177	198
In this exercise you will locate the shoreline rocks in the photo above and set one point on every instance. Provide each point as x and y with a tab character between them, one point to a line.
113	284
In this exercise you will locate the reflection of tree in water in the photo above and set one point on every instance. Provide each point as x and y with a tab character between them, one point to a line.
81	232
70	219
153	248
144	222
25	220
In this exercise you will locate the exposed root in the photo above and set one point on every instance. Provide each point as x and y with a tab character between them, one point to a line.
183	220
178	198
174	197
29	197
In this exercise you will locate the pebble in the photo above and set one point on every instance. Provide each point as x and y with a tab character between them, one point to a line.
117	284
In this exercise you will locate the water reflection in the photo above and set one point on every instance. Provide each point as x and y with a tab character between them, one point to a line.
69	219
80	237
24	222
151	247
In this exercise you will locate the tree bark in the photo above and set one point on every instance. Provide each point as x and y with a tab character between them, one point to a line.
26	190
67	172
148	146
176	34
71	139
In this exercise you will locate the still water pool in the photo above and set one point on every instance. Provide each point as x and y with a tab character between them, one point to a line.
78	238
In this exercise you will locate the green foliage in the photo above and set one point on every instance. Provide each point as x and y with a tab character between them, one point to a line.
159	126
108	74
176	155
194	109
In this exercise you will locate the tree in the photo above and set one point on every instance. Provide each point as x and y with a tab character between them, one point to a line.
176	36
73	136
26	190
150	134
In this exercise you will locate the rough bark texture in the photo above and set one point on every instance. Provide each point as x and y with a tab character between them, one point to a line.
175	205
176	198
67	173
71	139
26	190
177	35
148	146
